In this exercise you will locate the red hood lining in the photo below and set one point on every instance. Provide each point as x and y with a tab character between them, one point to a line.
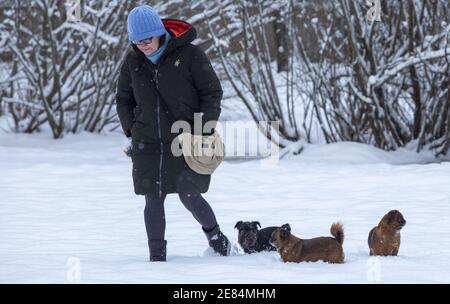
176	26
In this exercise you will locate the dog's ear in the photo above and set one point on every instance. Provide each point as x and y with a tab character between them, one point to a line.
256	224
285	231
238	225
286	227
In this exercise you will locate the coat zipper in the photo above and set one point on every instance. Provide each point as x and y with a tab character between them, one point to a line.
159	130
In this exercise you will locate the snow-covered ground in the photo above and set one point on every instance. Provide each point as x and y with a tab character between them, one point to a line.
68	214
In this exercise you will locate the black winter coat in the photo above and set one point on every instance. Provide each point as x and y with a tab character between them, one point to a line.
150	97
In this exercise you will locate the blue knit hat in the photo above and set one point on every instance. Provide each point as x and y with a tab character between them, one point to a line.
143	23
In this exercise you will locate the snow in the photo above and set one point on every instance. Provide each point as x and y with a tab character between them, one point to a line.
88	29
402	63
68	214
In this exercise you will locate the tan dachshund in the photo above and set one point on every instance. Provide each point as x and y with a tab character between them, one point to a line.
294	249
384	239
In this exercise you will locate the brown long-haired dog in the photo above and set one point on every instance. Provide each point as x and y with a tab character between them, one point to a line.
294	249
384	239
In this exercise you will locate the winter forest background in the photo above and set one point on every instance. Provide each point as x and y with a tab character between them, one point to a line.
325	70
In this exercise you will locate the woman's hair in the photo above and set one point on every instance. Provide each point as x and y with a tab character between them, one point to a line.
162	39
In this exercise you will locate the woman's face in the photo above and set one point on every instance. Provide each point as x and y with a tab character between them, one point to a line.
148	48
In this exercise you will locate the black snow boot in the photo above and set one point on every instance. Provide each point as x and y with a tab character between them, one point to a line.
218	241
158	250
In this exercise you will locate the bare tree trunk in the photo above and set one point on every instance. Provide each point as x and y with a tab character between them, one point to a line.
282	44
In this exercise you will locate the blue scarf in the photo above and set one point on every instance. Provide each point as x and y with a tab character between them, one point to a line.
154	57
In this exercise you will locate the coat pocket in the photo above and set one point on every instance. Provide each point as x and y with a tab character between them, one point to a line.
137	111
136	122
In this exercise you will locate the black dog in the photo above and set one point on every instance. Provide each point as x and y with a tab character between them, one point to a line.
253	240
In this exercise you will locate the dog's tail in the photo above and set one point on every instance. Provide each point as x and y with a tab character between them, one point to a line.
337	230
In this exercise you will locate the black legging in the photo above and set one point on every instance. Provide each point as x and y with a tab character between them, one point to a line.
154	215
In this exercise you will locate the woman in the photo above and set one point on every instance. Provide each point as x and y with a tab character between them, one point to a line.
165	78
